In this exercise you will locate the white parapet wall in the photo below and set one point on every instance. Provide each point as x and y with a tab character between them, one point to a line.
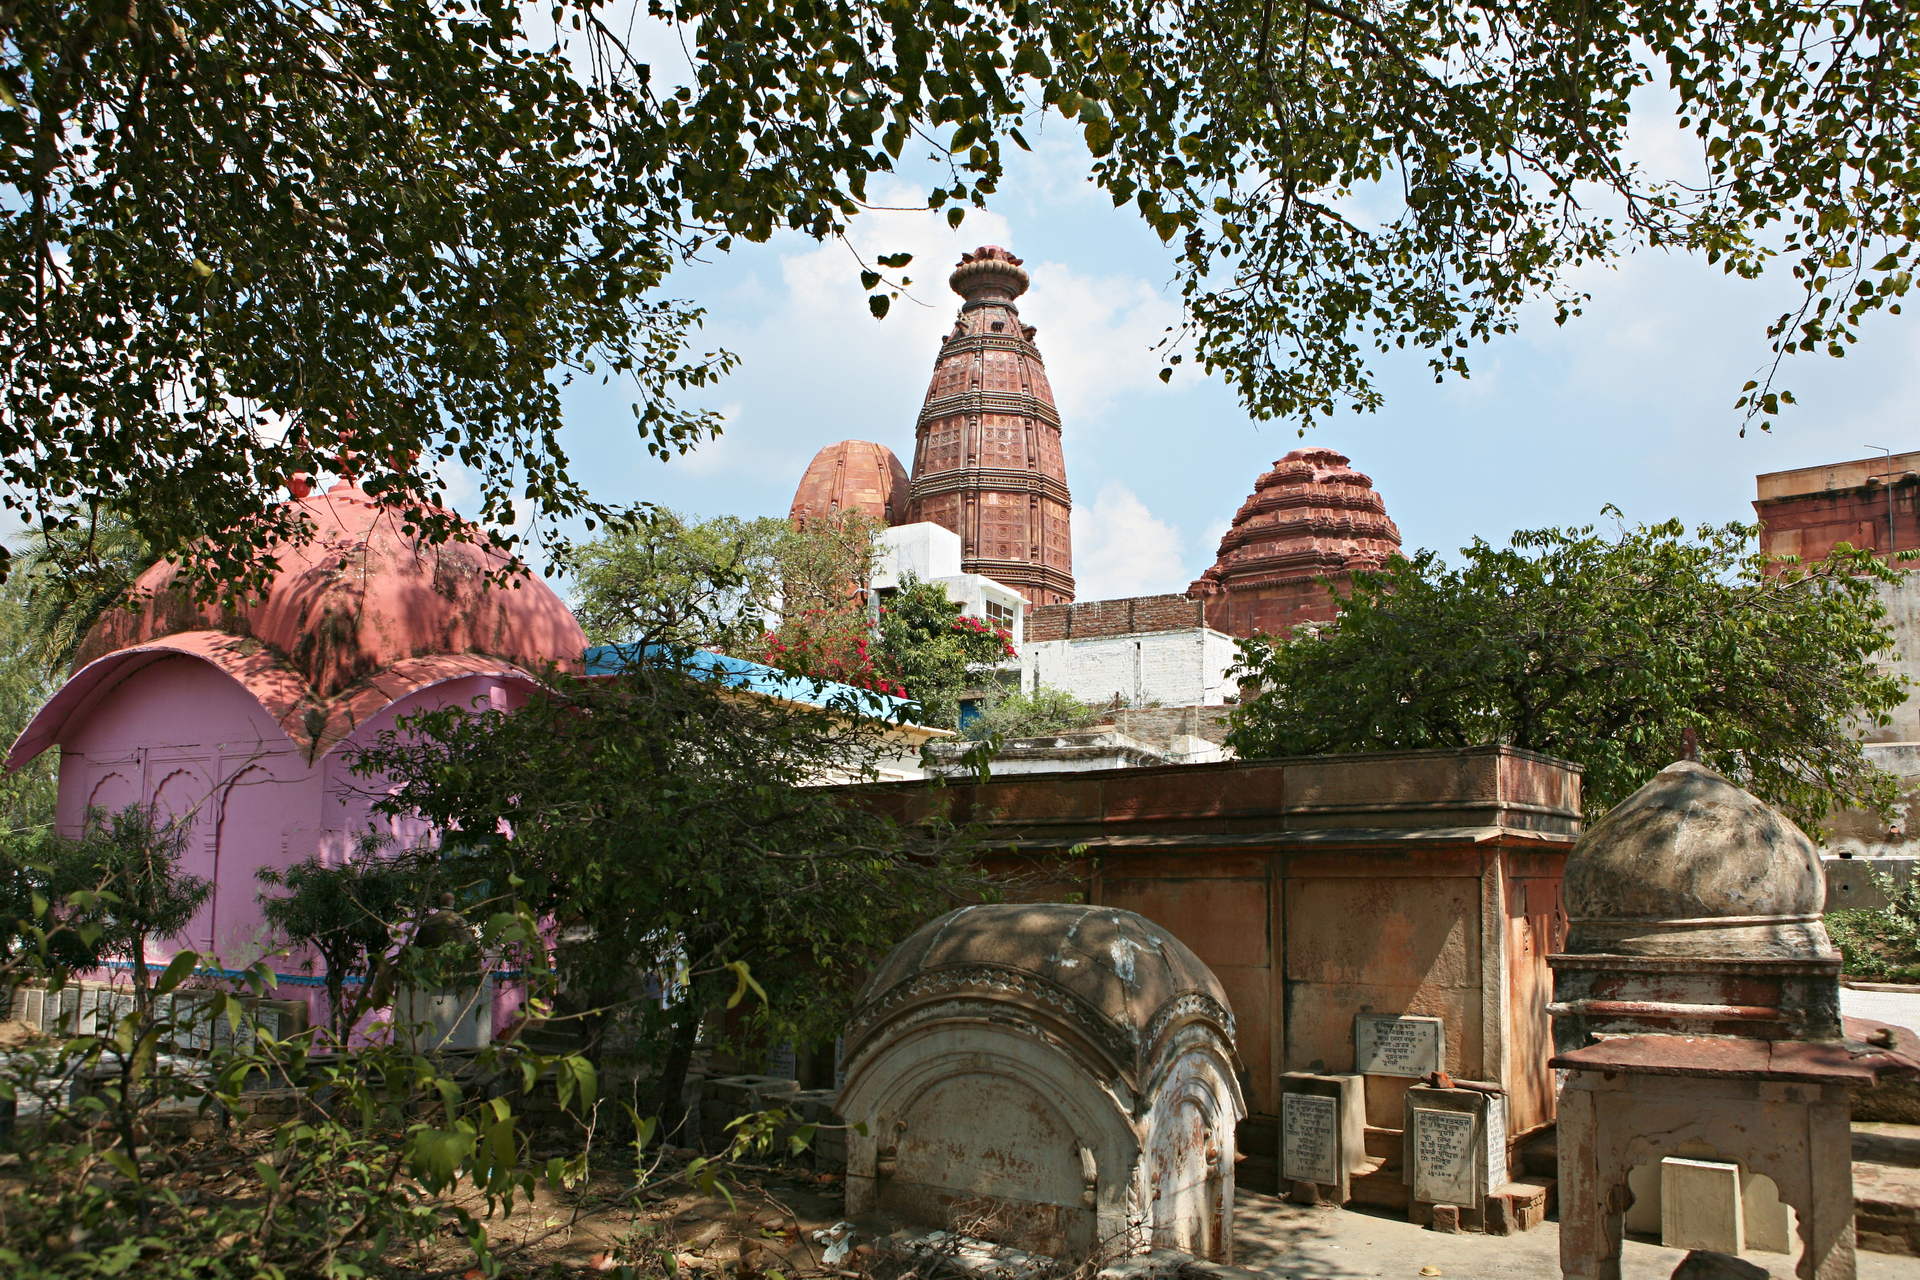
1182	668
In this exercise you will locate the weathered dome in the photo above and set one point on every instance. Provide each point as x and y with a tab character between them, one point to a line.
1125	980
1691	865
354	618
1311	519
853	475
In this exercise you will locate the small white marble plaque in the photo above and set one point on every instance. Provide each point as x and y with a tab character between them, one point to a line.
1309	1138
1443	1157
1386	1044
1496	1143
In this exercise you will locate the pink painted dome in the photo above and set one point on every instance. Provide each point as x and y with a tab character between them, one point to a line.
357	617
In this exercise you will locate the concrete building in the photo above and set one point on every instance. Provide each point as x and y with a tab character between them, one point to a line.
933	553
1874	504
1141	651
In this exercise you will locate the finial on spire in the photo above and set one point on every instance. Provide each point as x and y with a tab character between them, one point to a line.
1690	744
989	273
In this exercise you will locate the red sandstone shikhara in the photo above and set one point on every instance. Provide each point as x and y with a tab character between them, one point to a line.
988	465
987	460
1311	519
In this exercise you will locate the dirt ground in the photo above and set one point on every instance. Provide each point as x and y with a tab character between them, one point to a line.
768	1226
771	1229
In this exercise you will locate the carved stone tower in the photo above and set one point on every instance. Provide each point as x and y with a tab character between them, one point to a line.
987	462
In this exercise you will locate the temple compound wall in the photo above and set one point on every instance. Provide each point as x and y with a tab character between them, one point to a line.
1423	887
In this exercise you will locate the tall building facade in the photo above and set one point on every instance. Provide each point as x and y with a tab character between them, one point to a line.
987	460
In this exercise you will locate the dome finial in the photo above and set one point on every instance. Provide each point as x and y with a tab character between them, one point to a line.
989	273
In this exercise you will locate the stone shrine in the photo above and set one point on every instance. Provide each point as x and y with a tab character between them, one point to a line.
1697	1016
1061	1079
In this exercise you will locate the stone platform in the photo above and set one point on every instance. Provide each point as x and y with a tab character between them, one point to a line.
1293	1242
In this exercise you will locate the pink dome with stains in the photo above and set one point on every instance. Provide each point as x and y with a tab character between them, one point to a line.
359	616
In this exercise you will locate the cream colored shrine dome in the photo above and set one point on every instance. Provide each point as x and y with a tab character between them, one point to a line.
1691	864
1117	964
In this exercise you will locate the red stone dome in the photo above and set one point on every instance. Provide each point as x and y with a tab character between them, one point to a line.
854	475
1310	520
356	617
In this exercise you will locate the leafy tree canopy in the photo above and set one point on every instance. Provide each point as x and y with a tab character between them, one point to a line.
383	235
674	830
713	584
1603	650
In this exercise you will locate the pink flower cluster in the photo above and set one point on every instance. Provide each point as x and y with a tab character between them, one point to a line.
966	622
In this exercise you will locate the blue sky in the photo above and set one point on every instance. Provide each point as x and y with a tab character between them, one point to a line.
1631	404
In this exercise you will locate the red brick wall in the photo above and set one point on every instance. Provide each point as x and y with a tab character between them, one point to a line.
1128	616
1809	524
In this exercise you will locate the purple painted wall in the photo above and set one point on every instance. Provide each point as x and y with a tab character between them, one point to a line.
183	736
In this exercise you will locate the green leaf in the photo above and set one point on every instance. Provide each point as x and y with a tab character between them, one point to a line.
878	304
177	971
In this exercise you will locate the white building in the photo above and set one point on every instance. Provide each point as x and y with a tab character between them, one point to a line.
931	553
1143	651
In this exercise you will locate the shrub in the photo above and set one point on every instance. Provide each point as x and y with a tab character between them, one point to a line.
1028	715
1881	942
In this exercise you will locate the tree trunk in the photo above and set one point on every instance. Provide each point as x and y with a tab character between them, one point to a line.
141	1003
673	1072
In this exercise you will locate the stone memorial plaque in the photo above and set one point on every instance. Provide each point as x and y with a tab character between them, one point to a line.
1386	1044
1443	1157
1496	1165
1309	1138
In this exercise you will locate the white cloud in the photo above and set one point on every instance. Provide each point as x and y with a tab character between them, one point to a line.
1097	335
823	283
1096	332
1121	549
734	452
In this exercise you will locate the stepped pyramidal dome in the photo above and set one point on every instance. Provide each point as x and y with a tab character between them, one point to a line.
987	462
1310	520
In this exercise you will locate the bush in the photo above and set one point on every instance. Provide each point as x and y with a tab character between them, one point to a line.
1029	715
1881	942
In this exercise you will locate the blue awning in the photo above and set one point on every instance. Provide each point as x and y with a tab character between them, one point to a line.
753	677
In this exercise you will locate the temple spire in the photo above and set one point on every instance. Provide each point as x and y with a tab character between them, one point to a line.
987	460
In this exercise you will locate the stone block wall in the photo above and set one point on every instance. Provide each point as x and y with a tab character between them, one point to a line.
1157	726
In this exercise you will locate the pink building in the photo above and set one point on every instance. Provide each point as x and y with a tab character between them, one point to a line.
240	721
